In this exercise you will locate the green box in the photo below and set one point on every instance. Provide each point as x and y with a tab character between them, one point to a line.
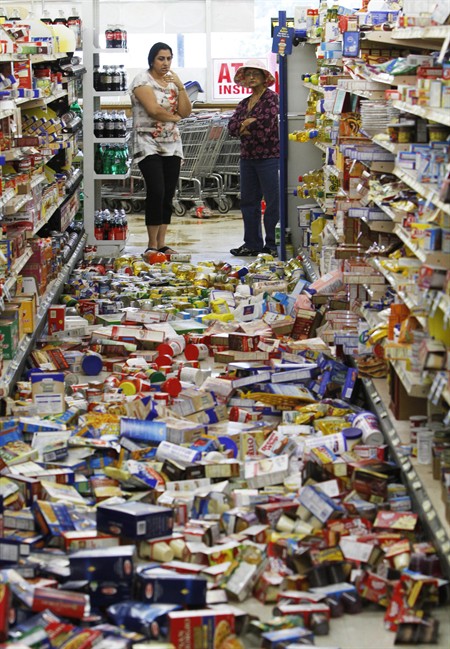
10	331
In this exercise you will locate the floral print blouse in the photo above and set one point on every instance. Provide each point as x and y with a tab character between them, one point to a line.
264	138
151	137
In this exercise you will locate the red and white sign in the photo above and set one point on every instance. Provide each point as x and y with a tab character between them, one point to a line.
223	74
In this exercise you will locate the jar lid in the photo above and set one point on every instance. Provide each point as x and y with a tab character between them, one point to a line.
92	364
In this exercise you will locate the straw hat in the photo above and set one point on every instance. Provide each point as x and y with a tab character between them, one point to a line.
257	65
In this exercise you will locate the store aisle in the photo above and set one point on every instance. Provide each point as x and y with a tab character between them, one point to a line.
212	238
209	238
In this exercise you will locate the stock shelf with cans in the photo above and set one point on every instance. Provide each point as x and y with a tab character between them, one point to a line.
41	185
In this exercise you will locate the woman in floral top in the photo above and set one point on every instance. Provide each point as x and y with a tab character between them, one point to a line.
255	122
159	100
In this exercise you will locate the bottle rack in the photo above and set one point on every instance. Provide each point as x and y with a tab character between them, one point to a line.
91	104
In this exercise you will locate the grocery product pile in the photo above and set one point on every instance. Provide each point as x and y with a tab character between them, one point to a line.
186	438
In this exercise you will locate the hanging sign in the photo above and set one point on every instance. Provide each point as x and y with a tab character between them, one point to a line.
282	40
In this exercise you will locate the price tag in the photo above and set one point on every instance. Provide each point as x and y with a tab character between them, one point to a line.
416	485
426	506
431	515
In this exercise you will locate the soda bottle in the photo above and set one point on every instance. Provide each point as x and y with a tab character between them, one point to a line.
117	37
99	160
98	224
123	79
106	224
109	36
96	80
109	125
115	78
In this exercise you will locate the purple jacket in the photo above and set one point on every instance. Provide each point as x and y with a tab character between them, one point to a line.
264	139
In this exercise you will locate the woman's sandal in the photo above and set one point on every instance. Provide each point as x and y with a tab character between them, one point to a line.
168	249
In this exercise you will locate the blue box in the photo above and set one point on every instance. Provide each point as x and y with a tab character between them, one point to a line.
159	586
134	520
104	564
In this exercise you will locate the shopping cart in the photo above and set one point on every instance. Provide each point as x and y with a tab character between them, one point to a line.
199	184
227	165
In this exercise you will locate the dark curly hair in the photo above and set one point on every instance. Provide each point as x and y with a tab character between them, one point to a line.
154	51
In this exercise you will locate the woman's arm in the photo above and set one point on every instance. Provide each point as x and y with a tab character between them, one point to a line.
266	114
184	108
184	103
235	121
147	98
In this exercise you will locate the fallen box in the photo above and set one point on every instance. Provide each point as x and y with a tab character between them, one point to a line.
113	564
135	520
158	585
201	629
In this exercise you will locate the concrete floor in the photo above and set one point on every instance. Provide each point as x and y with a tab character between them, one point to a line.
212	238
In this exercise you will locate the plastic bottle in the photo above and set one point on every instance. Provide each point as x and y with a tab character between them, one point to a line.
96	78
109	36
115	78
98	160
124	79
46	18
60	19
74	23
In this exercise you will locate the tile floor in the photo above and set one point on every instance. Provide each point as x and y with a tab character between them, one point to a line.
212	238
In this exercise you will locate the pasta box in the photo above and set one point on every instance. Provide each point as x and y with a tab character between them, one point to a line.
135	520
103	564
201	629
157	585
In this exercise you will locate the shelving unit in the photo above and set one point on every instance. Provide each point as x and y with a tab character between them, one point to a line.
91	103
12	202
422	303
12	370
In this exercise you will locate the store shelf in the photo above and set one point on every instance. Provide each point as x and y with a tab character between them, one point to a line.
440	115
424	491
112	176
6	197
438	32
112	140
311	86
411	381
435	257
13	369
15	271
323	146
387	210
110	50
378	226
429	191
109	93
42	101
393	147
397	35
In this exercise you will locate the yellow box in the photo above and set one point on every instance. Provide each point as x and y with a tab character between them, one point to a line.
27	311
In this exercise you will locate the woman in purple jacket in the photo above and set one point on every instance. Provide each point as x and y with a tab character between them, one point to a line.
255	122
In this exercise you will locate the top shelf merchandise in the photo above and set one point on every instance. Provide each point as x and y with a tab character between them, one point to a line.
381	117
